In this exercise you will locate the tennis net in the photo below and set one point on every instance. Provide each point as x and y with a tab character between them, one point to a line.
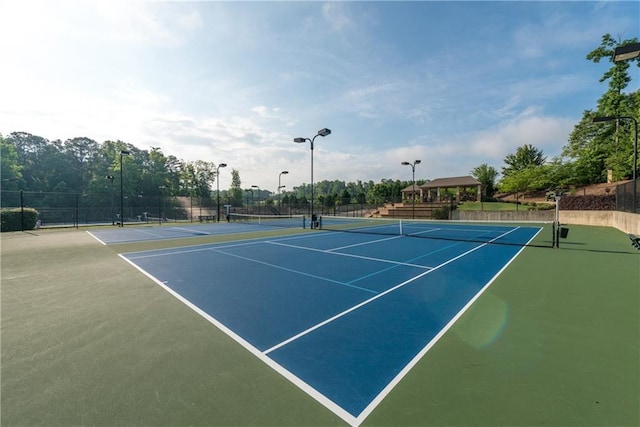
285	221
502	233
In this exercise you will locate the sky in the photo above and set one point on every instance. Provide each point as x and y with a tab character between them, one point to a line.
453	84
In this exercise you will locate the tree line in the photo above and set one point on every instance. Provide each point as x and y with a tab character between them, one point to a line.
80	165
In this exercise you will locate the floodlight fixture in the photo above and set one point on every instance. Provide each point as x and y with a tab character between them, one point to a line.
600	119
629	51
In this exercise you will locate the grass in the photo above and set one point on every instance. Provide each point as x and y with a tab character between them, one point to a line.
89	340
497	206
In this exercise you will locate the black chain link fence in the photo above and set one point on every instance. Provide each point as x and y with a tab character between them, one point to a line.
57	209
625	197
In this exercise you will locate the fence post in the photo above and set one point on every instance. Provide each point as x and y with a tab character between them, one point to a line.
21	210
77	216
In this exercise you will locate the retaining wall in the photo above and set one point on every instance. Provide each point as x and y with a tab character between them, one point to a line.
623	221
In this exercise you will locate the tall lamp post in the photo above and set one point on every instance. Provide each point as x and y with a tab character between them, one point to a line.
600	119
221	165
122	153
111	178
413	185
322	132
279	187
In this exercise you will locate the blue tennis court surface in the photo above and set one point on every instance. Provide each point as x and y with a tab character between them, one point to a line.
343	316
131	233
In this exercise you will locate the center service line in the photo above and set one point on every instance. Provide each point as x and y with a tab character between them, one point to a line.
370	300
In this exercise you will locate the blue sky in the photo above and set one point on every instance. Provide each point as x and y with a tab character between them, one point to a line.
454	84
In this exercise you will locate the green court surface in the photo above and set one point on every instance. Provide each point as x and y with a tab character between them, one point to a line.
88	340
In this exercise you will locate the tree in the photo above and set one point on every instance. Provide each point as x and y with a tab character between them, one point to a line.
10	169
530	179
525	157
345	197
203	176
236	190
612	102
598	147
487	175
379	193
79	152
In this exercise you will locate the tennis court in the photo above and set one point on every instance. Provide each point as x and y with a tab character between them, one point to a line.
296	327
342	315
240	224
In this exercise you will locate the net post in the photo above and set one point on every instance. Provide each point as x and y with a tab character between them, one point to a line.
556	224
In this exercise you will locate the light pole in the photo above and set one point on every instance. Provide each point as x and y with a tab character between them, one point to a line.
279	187
111	178
600	119
322	132
221	165
125	153
413	185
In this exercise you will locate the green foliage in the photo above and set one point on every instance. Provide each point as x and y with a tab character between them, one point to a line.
10	170
15	219
529	179
487	175
598	147
502	206
345	197
525	157
236	191
442	212
359	192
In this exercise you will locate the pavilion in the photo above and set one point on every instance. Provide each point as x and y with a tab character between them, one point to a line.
432	191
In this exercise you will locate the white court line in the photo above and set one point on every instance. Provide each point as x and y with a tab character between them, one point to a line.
196	248
370	300
201	233
325	401
325	251
96	237
363	243
295	271
380	397
321	398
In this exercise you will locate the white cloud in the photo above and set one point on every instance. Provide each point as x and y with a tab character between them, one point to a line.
546	133
242	84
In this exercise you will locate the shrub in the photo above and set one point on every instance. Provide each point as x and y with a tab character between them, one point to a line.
13	219
489	199
442	212
588	203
